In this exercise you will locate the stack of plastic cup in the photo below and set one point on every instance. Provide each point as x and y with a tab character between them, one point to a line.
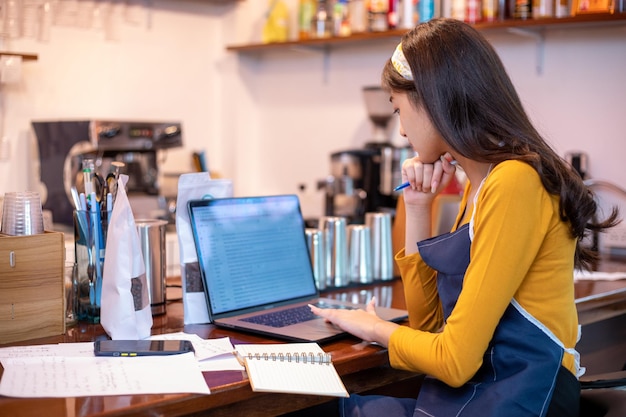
22	214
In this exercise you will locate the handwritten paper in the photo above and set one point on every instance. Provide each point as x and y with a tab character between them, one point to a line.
62	376
72	369
84	349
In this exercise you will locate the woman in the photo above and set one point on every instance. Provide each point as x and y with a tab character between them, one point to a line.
492	319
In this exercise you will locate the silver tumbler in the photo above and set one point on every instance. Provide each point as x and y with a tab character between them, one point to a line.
152	238
315	243
382	252
336	250
359	254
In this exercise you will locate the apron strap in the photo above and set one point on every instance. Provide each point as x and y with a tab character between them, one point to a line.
471	223
572	351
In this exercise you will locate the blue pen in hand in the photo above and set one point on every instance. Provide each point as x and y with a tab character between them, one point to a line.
402	186
408	184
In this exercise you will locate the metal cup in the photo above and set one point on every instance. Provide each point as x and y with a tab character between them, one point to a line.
359	254
152	238
382	252
315	243
334	230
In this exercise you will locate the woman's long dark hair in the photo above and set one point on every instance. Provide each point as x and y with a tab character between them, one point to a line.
463	86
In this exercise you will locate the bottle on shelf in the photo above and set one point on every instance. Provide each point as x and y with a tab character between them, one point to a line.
377	15
425	10
473	11
322	21
459	9
562	8
523	9
341	18
543	9
408	15
491	10
306	12
358	16
446	8
276	28
393	14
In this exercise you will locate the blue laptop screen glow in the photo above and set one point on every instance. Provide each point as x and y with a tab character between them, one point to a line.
253	251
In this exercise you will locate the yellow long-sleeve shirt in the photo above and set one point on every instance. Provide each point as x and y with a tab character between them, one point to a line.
521	249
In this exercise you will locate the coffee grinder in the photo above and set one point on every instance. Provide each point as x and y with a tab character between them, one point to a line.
134	145
362	180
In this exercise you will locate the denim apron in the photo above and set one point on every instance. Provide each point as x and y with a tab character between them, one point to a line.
520	366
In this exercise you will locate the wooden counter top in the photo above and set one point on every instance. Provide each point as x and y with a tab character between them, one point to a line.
362	366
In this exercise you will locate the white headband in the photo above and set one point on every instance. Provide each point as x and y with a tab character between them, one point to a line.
399	62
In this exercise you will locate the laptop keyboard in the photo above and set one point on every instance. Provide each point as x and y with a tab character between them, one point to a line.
288	316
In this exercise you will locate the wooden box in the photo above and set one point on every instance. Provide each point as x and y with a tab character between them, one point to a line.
31	286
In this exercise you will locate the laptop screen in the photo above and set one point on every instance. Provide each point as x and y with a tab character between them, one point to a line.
252	251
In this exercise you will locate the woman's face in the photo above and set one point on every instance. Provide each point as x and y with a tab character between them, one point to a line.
415	125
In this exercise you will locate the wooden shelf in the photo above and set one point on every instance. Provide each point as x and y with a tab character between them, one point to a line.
579	21
25	57
319	42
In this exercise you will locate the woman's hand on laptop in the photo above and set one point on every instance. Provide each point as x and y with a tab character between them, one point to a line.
364	324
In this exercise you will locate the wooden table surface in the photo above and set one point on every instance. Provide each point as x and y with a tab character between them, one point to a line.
362	366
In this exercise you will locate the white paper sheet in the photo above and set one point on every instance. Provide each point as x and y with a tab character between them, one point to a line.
598	276
72	370
204	348
59	376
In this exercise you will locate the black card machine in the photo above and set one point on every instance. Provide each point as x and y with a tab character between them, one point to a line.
131	348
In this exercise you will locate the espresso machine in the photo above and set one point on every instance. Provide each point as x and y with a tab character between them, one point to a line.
126	147
362	180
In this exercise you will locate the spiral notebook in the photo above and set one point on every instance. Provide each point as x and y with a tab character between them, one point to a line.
255	266
293	368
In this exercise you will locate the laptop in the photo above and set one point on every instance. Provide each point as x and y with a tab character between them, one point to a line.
256	269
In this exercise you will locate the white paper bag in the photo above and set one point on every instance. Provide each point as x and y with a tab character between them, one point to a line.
125	312
194	186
